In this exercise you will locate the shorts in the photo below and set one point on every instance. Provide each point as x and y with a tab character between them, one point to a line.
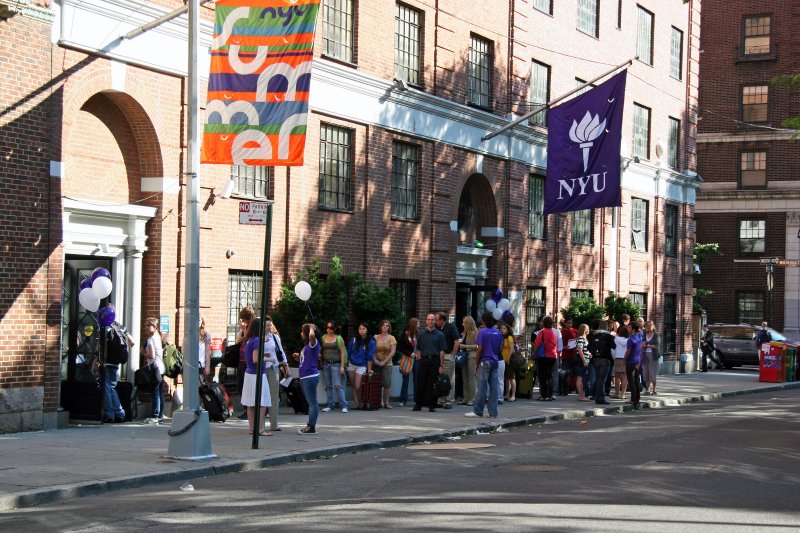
512	373
578	370
619	365
385	373
360	370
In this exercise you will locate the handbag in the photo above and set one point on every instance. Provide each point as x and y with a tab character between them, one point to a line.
516	360
406	364
461	358
539	353
147	377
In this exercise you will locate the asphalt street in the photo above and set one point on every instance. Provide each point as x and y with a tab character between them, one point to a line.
729	465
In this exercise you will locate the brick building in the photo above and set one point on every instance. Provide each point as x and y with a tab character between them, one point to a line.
749	201
396	181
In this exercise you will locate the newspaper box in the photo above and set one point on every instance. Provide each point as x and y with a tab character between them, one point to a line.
790	362
771	359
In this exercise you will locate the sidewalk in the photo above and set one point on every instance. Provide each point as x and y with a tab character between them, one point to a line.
49	466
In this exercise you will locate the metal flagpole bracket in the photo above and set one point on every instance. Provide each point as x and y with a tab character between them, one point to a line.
554	101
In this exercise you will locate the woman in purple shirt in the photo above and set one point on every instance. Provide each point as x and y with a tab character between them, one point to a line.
251	354
309	375
633	360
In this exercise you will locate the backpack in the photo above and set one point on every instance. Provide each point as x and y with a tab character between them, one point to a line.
173	361
441	386
117	349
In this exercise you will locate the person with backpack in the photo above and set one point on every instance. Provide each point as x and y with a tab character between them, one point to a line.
154	355
334	366
117	346
763	336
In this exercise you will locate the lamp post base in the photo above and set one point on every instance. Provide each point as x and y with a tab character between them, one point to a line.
194	444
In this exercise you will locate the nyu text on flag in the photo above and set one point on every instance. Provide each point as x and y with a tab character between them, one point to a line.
583	145
258	86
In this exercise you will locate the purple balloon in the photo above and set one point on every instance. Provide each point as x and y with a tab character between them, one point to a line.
100	271
106	316
85	284
507	313
497	296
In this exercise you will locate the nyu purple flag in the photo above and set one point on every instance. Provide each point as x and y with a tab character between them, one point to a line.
583	144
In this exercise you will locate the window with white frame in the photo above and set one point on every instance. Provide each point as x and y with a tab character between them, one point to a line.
588	16
641	131
545	6
582	226
644	35
676	54
244	290
750	307
408	44
480	71
252	182
639	215
405	169
639	299
337	29
540	91
752	236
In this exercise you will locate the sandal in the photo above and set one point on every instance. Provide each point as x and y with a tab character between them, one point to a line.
265	434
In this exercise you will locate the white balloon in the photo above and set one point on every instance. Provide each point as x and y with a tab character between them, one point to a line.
88	300
303	290
491	306
504	304
101	287
497	314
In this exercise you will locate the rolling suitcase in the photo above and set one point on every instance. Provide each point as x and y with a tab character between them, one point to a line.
127	398
215	401
294	393
527	380
563	382
371	389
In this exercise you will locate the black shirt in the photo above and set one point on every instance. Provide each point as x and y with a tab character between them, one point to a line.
450	335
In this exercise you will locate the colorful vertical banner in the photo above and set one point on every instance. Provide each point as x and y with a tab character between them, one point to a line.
583	149
259	82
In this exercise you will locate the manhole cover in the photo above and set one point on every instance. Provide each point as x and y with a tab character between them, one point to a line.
453	446
536	468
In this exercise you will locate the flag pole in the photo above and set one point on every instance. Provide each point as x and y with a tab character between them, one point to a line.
554	101
190	436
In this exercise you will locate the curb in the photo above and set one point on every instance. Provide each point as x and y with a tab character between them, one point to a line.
93	488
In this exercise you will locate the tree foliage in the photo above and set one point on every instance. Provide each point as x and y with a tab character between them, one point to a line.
616	306
583	311
701	252
373	304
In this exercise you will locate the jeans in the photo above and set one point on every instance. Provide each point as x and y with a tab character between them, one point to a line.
487	382
544	369
602	368
589	380
413	376
333	382
310	392
111	407
158	400
501	382
632	371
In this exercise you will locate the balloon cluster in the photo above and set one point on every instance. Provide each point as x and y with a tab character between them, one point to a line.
95	288
499	306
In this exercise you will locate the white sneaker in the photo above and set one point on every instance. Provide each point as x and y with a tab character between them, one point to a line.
327	410
344	410
472	414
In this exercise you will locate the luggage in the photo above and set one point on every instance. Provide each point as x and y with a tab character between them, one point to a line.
527	380
563	382
127	399
371	389
215	401
441	385
294	393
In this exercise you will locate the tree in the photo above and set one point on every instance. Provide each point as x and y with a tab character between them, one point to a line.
700	253
583	311
791	82
373	304
616	306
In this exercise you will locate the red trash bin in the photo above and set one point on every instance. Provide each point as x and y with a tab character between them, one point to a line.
770	362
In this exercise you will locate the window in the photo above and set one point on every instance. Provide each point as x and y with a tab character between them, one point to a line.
674	142
536	216
244	289
752	236
251	181
407	45
534	308
540	91
405	163
644	36
750	307
580	293
641	131
334	167
406	290
753	170
545	6
671	230
754	103
582	226
639	299
670	323
676	54
337	29
756	34
639	225
480	72
588	15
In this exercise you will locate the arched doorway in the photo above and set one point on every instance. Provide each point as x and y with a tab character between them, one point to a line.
477	234
109	146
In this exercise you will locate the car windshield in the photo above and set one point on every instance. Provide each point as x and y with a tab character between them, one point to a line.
777	336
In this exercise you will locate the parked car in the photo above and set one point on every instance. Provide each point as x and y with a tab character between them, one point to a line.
735	343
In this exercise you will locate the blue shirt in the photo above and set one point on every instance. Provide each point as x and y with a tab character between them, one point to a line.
361	351
431	343
635	346
491	342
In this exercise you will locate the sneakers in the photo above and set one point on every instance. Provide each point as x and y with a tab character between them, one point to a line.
327	410
344	410
401	404
472	414
151	421
448	405
305	430
387	406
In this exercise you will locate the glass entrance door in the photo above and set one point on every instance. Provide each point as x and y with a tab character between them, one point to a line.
81	388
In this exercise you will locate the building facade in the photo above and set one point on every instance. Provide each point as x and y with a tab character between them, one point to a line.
397	180
749	201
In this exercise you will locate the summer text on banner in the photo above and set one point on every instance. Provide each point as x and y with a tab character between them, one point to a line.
583	145
259	82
